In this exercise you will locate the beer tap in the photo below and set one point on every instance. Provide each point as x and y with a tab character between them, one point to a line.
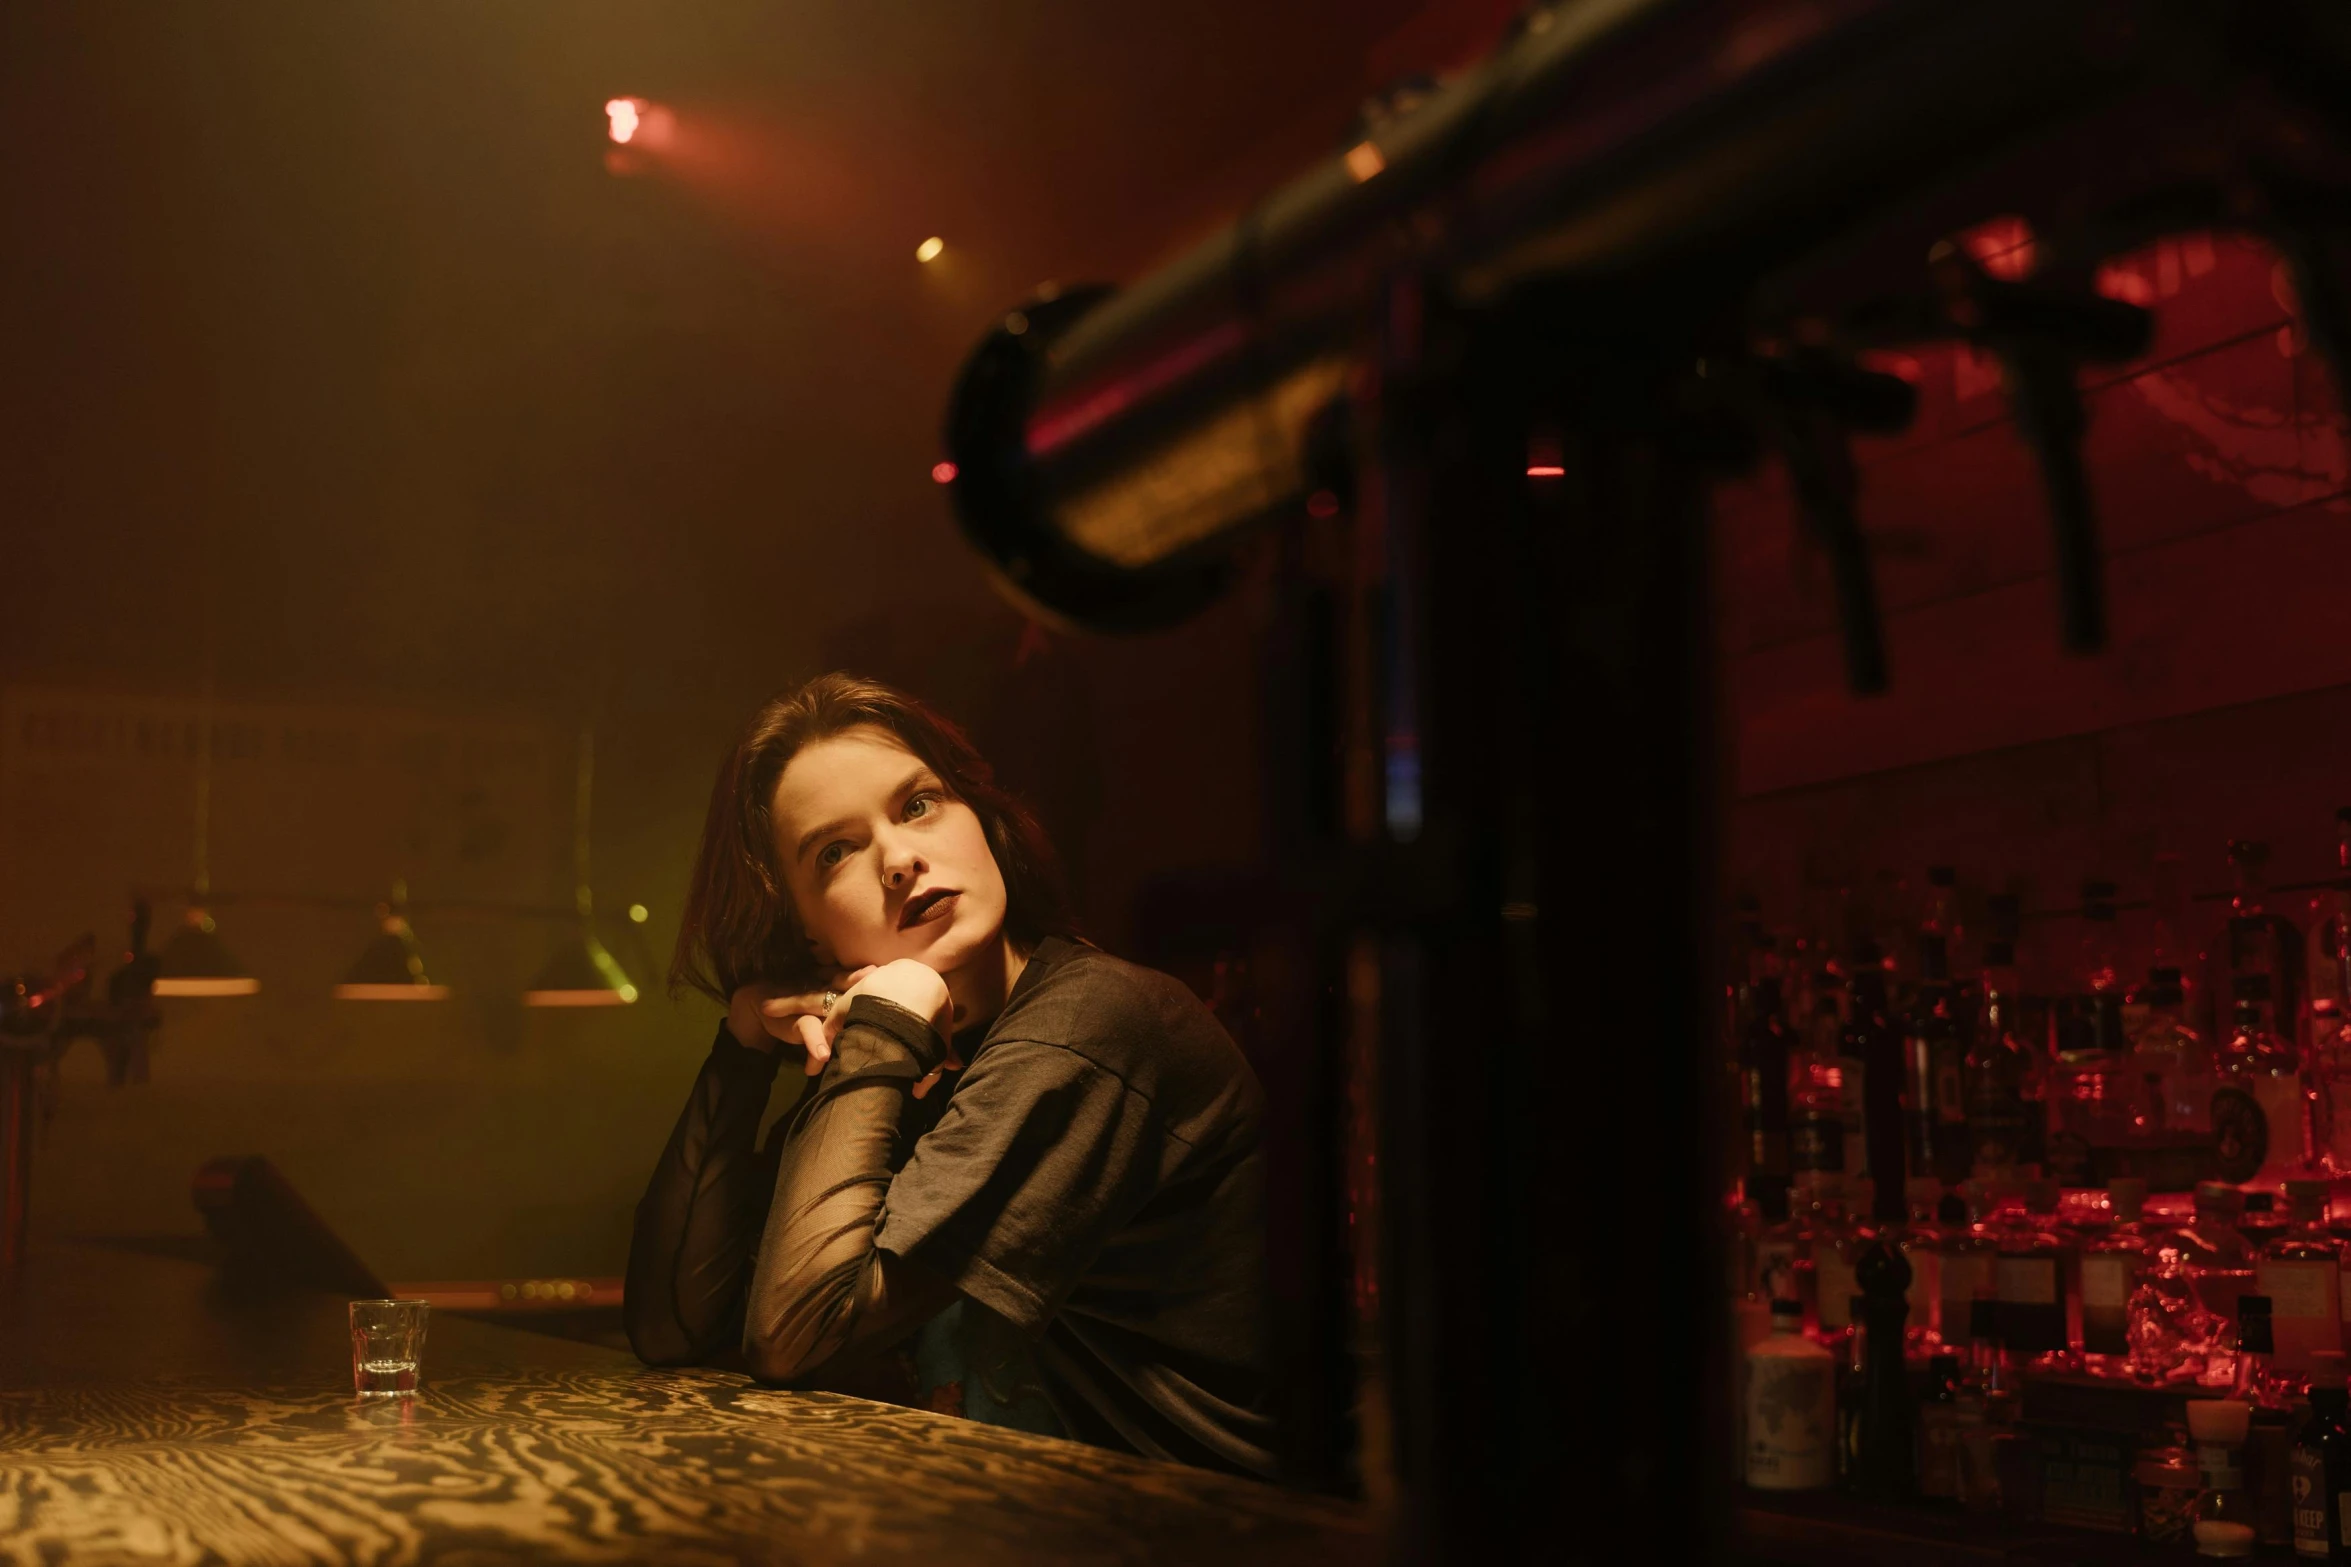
40	1018
2040	330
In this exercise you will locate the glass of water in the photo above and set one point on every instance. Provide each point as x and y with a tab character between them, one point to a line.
387	1346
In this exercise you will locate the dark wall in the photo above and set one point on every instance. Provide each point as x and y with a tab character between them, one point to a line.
343	378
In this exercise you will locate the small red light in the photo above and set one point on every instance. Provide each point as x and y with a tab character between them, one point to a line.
1322	503
1545	470
942	473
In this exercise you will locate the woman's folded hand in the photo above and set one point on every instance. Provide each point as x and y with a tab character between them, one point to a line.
761	1015
909	983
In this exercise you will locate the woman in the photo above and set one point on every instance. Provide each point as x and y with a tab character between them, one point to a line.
1051	1147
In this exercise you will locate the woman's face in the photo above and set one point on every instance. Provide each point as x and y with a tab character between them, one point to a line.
882	862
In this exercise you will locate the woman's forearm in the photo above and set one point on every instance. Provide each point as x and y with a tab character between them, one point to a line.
822	1294
691	1248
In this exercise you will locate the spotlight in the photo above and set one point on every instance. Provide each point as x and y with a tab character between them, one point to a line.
626	116
930	249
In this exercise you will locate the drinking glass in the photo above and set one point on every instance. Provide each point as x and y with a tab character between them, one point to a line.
387	1346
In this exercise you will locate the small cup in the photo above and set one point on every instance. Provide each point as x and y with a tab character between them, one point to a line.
387	1346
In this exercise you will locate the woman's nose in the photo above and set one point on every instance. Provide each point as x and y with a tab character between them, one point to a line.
900	867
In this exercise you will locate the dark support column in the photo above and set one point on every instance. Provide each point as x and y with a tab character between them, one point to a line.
1546	873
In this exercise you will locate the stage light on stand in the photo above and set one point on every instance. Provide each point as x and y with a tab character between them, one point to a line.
196	962
391	967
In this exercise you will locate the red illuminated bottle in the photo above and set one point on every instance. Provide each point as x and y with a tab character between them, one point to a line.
2111	1265
2301	1273
2259	1113
1999	1066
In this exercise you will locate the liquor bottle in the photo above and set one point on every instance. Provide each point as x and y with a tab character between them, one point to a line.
1998	1065
1938	1430
1868	1032
2258	1112
2111	1266
1825	1082
1837	1239
2174	1060
2327	1065
1789	1254
2213	1251
2259	1221
2322	1468
2301	1273
1763	1074
1920	1240
2092	1099
2224	1515
2029	1281
1934	1059
2258	1382
2174	1334
1965	1262
1791	1407
2261	940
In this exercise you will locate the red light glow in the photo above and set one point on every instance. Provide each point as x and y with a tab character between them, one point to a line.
1322	503
1545	470
942	473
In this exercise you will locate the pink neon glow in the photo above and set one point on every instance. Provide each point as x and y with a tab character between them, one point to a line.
942	473
1545	470
1058	425
624	115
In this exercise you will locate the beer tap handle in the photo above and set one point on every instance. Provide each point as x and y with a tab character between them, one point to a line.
2040	330
1810	402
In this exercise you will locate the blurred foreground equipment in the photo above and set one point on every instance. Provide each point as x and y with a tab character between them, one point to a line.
1467	384
40	1018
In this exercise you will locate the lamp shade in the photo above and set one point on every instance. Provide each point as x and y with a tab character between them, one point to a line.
390	968
580	974
196	963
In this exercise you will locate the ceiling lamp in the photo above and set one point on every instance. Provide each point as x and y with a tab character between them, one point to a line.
580	972
391	967
195	962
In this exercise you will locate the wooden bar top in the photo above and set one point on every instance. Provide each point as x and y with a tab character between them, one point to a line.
147	1412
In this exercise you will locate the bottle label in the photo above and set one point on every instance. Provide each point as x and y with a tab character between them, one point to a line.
2106	1280
2305	1307
1791	1421
2240	1135
2106	1299
2031	1309
2026	1281
1833	1276
1817	1142
1963	1280
2309	1483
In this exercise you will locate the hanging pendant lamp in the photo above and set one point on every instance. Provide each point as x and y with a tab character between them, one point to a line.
195	962
391	967
580	972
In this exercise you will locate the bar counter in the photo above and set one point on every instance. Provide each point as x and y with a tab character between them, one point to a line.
150	1412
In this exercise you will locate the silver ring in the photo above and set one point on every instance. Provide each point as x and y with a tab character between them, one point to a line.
831	998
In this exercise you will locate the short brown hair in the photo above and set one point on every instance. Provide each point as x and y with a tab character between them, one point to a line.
739	926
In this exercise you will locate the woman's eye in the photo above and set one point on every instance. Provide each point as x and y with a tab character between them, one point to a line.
920	805
831	855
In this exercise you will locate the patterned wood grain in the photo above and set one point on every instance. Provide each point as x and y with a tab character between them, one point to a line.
613	1464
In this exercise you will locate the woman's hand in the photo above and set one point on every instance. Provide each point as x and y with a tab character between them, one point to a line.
909	983
759	1015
